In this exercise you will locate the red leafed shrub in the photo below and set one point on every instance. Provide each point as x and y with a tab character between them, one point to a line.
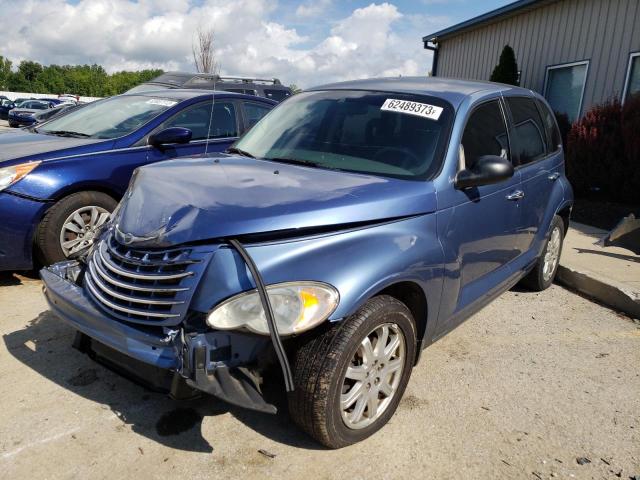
631	140
603	151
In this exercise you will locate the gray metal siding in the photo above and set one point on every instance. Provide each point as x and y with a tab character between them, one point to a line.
604	32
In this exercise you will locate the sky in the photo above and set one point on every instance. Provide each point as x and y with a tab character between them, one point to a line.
305	42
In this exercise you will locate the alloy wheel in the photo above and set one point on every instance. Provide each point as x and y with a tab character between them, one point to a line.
373	376
79	229
552	255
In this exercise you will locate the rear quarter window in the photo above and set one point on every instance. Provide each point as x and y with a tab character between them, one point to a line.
554	138
530	142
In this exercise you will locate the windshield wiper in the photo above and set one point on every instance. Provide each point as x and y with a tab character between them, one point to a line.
239	151
67	133
297	161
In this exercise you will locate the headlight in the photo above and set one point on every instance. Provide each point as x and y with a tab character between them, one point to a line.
297	307
10	175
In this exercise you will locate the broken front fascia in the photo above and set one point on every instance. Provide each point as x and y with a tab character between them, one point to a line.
224	364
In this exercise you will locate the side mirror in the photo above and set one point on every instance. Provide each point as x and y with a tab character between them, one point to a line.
170	136
487	170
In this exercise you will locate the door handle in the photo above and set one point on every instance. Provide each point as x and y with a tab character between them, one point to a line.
554	176
517	195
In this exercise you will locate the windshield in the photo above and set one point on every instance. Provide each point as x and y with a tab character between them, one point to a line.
110	118
34	105
387	134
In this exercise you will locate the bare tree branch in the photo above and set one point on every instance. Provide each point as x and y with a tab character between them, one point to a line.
203	49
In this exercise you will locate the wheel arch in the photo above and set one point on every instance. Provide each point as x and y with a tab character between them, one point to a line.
565	214
414	297
57	197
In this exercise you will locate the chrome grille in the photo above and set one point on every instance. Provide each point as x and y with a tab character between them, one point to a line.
151	287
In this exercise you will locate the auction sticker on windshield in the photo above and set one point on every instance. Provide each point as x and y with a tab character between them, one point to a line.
161	102
412	108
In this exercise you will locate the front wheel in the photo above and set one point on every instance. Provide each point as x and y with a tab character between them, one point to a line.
350	378
544	272
68	228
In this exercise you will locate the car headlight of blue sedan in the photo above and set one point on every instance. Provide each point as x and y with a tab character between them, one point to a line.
10	175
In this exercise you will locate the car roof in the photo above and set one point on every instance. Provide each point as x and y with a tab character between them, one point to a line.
451	89
186	94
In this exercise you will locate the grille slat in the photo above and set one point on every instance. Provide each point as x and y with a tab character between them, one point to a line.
135	274
147	286
142	313
127	298
96	268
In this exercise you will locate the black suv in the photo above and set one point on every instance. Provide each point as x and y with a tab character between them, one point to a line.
272	89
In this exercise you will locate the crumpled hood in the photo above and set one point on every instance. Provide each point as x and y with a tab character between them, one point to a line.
22	144
194	199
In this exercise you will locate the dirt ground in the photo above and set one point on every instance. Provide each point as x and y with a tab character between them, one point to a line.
522	390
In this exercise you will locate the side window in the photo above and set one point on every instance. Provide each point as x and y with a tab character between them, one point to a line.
485	134
196	119
253	112
553	134
529	143
224	120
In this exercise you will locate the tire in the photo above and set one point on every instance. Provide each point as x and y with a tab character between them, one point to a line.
540	279
13	125
48	235
320	366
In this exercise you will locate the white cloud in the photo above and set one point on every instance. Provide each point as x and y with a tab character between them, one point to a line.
312	8
372	41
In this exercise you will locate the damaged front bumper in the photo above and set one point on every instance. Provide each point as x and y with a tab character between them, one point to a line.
223	364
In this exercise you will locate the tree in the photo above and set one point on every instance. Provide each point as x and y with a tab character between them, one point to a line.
85	80
507	69
203	50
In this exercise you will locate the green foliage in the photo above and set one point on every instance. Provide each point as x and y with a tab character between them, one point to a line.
5	72
84	80
603	152
507	69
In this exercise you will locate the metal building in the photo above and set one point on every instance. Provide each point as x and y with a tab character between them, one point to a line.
575	52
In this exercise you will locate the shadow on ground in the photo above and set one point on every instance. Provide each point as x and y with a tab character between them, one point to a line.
17	278
44	345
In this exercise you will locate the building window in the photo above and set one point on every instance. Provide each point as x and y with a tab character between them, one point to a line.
632	82
564	88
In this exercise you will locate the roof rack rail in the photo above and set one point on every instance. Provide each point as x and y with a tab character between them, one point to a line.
275	81
219	78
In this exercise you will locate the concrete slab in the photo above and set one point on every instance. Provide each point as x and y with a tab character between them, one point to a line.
610	275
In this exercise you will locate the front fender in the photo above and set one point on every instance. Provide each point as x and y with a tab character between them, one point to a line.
359	263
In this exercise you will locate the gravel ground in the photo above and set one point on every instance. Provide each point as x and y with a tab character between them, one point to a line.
522	390
4	125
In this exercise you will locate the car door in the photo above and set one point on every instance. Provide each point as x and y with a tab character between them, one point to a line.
216	137
479	227
536	159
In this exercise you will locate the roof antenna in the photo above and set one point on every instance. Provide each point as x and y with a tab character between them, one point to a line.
213	102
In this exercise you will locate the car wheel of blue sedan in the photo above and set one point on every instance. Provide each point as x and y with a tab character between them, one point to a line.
68	228
350	379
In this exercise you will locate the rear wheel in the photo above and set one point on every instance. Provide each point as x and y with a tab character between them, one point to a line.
68	228
350	379
543	274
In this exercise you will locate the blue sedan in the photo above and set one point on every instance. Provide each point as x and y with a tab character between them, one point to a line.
60	181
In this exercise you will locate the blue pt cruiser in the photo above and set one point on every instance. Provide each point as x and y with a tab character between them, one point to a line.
356	224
